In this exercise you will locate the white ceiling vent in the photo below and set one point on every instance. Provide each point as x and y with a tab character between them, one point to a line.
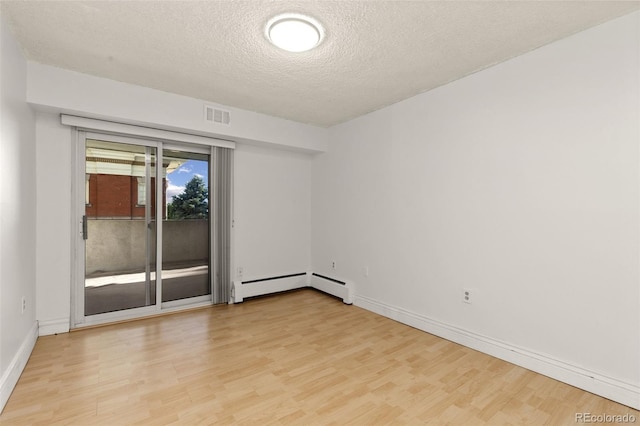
216	115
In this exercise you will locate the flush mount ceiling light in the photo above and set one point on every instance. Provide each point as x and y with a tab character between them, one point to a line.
294	33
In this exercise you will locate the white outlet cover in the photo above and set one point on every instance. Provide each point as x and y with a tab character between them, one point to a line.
467	295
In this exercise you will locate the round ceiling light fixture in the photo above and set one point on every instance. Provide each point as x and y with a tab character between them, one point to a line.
294	33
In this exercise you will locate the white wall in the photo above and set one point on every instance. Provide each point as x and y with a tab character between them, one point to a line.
272	212
95	97
17	215
519	182
271	172
53	222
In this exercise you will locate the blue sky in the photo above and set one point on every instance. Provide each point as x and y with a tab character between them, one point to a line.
177	180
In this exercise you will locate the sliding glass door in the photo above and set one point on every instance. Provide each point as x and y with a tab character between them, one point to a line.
119	226
152	235
186	227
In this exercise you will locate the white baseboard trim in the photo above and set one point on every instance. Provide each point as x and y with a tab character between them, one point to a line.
11	375
241	290
607	387
54	326
335	286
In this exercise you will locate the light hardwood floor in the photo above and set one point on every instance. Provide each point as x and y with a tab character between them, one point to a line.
295	358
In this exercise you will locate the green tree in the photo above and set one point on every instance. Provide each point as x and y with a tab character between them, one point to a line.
192	203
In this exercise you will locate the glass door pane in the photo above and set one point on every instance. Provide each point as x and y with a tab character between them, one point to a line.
185	226
120	227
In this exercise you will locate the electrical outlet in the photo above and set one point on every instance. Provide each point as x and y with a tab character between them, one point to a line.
240	272
333	264
467	295
23	305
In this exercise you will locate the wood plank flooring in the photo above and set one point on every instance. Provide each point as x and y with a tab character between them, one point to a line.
295	358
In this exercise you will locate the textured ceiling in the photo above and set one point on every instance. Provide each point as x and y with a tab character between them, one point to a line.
375	52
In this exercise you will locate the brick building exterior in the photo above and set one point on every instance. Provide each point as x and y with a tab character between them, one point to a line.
115	181
118	196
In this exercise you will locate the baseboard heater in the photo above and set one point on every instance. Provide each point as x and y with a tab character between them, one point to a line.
257	287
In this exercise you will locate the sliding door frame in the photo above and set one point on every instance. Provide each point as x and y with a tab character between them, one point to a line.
78	317
207	299
78	196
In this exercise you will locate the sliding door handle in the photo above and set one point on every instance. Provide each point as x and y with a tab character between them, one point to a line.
84	228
